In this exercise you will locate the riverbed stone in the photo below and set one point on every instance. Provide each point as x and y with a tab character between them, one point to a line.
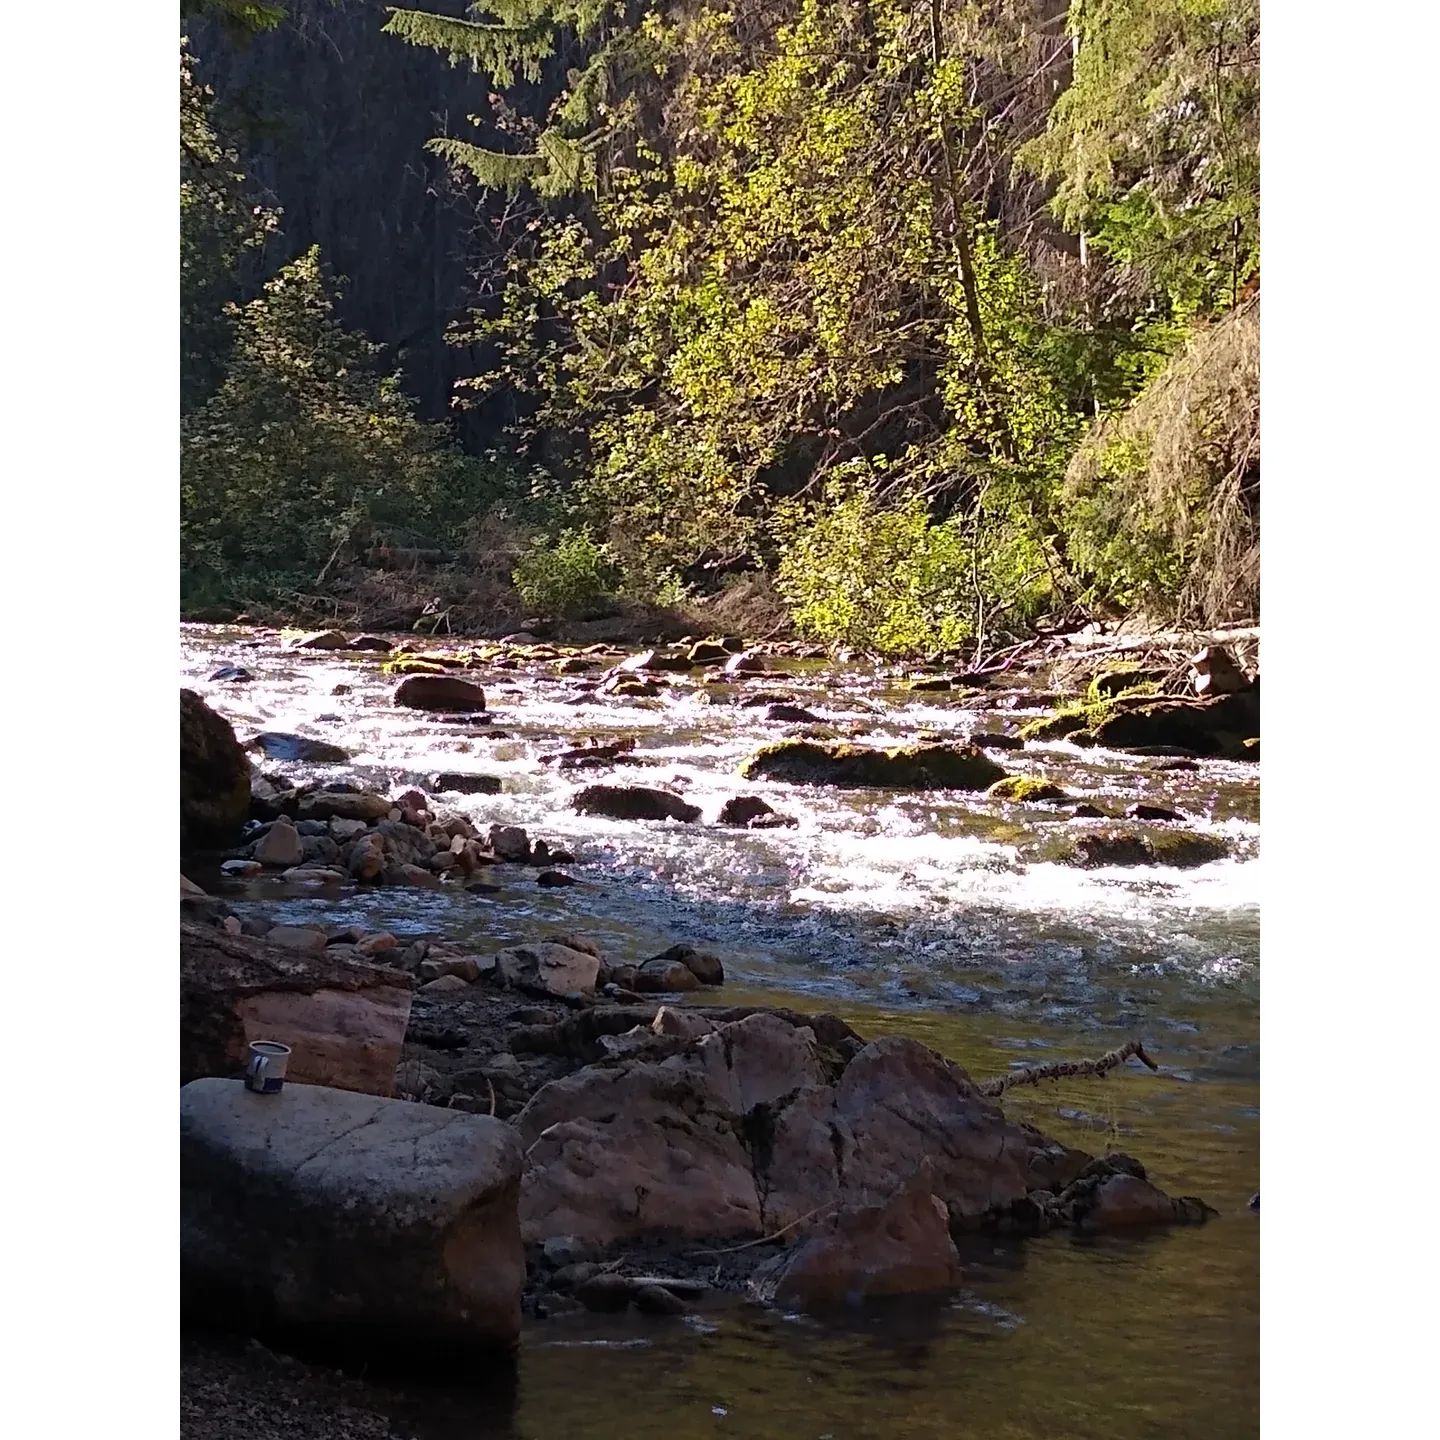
463	783
309	939
214	777
280	846
439	692
742	809
661	976
634	802
860	1252
706	967
510	843
325	1211
319	640
904	767
343	805
555	969
281	745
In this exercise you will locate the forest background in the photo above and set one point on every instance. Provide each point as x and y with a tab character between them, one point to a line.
909	324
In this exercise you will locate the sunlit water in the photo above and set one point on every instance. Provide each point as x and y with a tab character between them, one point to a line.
931	914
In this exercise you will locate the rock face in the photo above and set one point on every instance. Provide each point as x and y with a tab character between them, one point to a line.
439	692
389	1223
344	1020
214	777
902	1247
634	802
747	1128
905	767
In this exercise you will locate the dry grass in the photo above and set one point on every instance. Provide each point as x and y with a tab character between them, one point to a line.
1194	478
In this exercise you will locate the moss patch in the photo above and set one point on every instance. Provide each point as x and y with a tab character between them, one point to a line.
905	767
1025	789
1055	727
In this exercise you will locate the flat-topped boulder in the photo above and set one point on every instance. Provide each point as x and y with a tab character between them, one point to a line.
902	767
343	1018
388	1226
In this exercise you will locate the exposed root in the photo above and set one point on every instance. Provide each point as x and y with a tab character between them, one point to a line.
1061	1069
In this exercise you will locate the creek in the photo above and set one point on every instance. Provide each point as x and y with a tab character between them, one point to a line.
935	915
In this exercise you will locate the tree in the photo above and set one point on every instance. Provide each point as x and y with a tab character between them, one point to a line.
306	448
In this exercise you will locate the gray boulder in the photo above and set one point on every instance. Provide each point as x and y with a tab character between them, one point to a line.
390	1225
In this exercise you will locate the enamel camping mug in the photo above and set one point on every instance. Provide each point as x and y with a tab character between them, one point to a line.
265	1063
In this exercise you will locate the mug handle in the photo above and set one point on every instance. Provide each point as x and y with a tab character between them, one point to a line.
255	1070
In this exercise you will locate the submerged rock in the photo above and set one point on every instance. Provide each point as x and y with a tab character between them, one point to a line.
905	767
214	777
1128	847
320	1210
634	802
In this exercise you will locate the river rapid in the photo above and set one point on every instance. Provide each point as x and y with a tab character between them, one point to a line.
938	915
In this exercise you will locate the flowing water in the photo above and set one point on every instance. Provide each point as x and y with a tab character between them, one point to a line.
938	915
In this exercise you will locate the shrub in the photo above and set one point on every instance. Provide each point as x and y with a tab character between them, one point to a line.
569	579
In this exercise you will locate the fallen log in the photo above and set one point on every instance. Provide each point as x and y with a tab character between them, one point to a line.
1062	1069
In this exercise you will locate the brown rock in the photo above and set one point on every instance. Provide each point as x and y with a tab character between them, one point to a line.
555	969
446	985
367	860
336	805
279	846
634	802
510	843
413	875
705	967
1213	671
344	1020
319	640
439	692
305	938
901	1247
659	976
742	809
683	1024
214	777
613	1181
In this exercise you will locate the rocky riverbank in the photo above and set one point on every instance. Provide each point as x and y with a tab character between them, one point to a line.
673	1153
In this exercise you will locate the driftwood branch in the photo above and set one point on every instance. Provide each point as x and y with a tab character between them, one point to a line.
1060	1069
774	1234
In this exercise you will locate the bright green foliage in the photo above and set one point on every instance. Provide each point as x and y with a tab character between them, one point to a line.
304	449
1156	144
779	319
572	578
220	225
523	34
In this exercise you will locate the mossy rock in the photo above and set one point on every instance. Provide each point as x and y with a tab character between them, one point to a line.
412	667
905	767
1123	680
1025	789
1054	727
1183	850
1204	727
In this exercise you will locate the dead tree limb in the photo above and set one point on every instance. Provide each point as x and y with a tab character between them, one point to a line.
1060	1069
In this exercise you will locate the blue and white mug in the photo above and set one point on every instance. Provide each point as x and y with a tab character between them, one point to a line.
265	1063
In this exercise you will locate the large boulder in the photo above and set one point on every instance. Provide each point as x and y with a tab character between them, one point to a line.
901	1247
214	777
747	1129
634	802
344	1019
1216	726
439	692
387	1225
903	767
